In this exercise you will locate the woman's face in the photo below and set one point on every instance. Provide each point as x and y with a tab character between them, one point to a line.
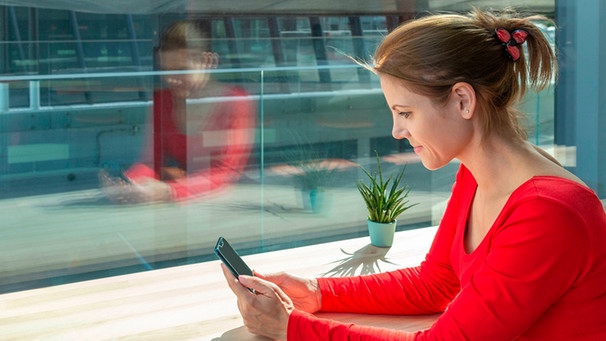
438	133
186	85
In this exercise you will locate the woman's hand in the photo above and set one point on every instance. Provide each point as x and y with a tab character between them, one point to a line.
120	190
172	173
152	190
264	312
304	292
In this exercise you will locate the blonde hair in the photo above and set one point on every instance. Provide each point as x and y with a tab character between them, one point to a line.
433	53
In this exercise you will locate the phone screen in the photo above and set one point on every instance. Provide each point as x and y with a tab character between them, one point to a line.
231	259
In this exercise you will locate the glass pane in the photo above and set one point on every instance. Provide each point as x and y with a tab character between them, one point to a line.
278	140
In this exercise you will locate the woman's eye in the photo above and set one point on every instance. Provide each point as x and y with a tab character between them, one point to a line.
405	114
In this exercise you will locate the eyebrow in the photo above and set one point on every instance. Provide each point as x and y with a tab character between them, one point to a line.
395	106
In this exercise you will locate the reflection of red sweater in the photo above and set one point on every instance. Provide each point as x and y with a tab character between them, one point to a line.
539	274
213	155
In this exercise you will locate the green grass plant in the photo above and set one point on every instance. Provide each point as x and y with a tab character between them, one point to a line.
387	198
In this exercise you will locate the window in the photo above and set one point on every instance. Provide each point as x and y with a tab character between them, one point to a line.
79	92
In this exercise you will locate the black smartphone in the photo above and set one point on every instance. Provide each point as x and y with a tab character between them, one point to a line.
231	259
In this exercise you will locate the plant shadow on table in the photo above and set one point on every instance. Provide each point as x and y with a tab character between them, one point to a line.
240	333
364	261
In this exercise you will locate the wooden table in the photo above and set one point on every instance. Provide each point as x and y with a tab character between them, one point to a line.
193	302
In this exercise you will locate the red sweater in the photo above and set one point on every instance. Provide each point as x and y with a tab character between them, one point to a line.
539	274
212	156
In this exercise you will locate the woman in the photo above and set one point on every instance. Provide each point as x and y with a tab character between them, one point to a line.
203	131
519	253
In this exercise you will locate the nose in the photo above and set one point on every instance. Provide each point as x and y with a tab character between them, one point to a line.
399	132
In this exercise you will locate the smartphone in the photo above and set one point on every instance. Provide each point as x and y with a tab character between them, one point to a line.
231	259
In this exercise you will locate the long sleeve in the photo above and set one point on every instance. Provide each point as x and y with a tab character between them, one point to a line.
213	156
306	327
232	136
425	289
538	274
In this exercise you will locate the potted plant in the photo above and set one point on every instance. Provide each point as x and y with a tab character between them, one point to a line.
313	174
310	172
385	199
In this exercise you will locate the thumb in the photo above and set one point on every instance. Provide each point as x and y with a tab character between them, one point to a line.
261	275
278	278
266	289
257	284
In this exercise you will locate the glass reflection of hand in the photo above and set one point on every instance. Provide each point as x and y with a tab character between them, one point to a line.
172	173
125	191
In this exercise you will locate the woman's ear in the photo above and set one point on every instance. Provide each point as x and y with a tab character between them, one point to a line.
464	97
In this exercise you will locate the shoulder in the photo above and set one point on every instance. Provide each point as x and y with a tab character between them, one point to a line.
233	91
236	96
558	191
555	218
557	206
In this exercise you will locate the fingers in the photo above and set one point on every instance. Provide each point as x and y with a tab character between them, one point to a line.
258	285
277	278
262	276
265	313
241	285
237	288
232	281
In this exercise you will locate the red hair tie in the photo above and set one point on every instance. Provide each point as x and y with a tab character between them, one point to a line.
511	41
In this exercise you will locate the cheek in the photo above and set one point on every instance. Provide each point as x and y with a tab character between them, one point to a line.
198	78
427	131
446	136
456	137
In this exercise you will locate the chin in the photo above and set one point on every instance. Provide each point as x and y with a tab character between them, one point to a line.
180	93
433	165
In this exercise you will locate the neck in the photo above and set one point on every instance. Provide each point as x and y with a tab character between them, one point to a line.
492	162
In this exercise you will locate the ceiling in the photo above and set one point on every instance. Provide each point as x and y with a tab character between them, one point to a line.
297	7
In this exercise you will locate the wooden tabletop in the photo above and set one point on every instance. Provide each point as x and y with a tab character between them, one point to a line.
193	302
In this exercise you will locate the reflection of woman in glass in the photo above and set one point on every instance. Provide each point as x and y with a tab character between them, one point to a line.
203	131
